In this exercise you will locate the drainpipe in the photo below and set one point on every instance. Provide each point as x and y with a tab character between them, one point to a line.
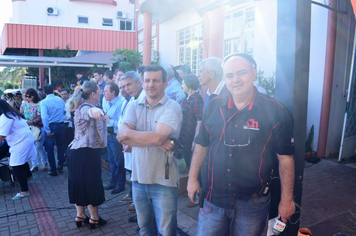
328	81
41	70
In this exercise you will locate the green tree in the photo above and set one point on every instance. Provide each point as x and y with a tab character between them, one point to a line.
268	83
8	85
66	74
127	59
13	74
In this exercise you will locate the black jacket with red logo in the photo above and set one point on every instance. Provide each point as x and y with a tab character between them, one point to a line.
242	146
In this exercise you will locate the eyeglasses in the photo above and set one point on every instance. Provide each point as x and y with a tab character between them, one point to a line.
238	145
28	96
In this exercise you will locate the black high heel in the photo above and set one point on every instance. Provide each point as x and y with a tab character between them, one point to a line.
79	223
99	222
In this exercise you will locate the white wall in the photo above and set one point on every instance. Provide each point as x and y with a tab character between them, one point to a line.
168	35
35	12
265	46
316	68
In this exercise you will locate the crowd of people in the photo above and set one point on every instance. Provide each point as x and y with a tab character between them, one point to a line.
231	141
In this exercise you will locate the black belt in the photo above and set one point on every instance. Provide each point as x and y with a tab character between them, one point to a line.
56	123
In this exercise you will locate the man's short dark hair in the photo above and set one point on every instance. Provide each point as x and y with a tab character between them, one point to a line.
157	68
109	74
182	68
48	89
99	71
117	70
113	87
65	90
140	69
244	55
79	72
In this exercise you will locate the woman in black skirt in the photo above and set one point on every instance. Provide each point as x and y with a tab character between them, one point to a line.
85	186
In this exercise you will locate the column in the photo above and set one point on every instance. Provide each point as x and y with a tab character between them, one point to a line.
147	37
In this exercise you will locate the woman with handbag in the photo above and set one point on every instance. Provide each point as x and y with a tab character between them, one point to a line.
85	187
19	137
32	112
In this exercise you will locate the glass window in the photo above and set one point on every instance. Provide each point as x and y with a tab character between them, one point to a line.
83	20
190	43
239	29
126	25
107	22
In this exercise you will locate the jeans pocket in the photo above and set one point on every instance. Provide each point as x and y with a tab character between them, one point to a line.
260	202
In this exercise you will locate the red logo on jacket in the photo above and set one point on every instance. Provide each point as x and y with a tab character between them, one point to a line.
251	123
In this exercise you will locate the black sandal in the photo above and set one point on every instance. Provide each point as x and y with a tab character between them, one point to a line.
79	223
99	222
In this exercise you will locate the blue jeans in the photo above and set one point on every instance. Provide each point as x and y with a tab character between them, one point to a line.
116	162
40	150
156	208
248	218
58	140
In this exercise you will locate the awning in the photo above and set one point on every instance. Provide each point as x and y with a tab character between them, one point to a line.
101	59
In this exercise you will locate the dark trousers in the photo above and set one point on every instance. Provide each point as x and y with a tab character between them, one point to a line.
57	139
21	173
68	135
116	162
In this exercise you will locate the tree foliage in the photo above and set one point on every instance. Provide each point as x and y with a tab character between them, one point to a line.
268	83
127	59
12	74
66	74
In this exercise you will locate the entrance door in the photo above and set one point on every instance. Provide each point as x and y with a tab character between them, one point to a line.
348	148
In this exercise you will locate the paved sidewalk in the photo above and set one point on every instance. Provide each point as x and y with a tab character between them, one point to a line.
48	211
329	192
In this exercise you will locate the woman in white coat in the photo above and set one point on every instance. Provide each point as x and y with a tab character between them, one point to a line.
19	137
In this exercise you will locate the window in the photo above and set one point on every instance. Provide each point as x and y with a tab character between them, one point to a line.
127	25
140	21
239	31
107	22
83	20
190	44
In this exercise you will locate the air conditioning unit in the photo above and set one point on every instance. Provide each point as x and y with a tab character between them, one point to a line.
121	15
52	11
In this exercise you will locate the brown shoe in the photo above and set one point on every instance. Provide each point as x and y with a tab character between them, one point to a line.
131	208
126	199
192	204
45	167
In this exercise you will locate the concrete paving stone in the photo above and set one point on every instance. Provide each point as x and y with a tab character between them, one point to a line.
62	224
130	231
28	227
4	231
110	234
4	220
337	224
128	224
97	231
34	231
116	223
22	223
20	233
117	229
14	228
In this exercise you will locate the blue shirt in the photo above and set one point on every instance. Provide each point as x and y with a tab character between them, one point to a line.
101	86
52	111
113	111
174	91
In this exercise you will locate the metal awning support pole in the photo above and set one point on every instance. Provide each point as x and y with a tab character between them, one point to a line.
292	78
352	71
49	75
